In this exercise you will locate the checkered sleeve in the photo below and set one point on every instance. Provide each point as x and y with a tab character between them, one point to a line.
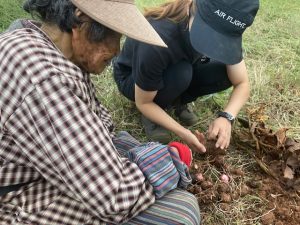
69	145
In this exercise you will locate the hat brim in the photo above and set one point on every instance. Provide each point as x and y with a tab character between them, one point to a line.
215	45
122	17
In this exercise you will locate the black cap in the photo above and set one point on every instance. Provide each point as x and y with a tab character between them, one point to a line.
218	27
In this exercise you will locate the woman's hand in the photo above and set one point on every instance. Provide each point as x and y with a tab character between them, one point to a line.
193	142
200	137
220	130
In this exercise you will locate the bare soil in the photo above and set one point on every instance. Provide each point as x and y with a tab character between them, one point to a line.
279	205
277	190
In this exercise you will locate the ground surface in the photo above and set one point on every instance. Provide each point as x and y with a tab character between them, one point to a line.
264	191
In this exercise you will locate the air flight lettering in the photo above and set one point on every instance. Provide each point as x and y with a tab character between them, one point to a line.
230	19
220	13
235	22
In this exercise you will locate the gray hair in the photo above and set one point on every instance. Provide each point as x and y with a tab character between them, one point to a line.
62	14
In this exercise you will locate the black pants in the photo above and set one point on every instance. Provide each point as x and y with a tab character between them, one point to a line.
7	189
184	81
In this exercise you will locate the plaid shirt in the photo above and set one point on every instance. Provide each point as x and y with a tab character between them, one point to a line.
56	135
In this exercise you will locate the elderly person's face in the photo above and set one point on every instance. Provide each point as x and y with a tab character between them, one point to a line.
90	56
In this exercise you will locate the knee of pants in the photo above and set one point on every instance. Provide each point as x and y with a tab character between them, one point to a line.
182	208
176	207
191	211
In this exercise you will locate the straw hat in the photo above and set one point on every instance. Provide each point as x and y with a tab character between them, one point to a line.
122	16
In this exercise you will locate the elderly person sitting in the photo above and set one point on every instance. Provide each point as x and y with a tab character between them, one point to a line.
59	164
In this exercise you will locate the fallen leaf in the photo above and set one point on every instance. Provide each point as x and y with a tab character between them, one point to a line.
293	145
281	136
293	162
288	173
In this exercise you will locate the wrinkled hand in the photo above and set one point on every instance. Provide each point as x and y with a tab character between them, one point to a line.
220	130
193	142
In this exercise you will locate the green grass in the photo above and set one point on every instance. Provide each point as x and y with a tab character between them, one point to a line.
272	52
9	11
272	55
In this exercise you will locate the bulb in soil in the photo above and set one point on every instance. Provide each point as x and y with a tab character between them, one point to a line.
225	198
224	178
206	185
199	177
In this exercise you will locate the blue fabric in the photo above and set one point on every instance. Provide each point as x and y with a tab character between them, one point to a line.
161	166
184	174
157	165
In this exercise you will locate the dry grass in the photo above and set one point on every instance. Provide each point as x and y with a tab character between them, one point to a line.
272	49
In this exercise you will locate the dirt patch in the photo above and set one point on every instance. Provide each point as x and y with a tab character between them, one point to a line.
278	205
270	192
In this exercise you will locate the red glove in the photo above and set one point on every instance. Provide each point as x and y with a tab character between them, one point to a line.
184	151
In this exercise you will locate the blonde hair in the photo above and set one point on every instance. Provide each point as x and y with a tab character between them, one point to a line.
175	10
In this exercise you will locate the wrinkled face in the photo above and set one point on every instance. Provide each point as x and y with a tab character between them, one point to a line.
93	57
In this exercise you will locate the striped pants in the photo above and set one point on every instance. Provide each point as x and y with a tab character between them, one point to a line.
176	207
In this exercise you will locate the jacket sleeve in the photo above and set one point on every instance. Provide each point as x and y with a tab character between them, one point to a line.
69	145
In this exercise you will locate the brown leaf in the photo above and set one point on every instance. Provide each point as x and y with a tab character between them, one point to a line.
294	148
288	173
270	140
281	136
293	162
296	184
289	142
